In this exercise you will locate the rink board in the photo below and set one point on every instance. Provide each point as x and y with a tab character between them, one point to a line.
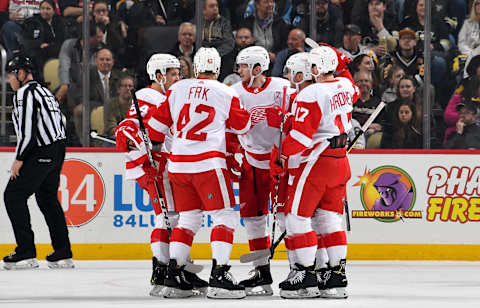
430	212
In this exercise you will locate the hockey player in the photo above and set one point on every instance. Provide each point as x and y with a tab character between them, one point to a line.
298	70
163	70
198	112
318	134
258	93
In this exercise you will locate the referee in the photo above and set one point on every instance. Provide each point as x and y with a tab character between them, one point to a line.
36	170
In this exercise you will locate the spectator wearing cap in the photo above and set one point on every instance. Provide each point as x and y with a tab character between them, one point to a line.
467	133
329	23
269	30
469	90
440	43
295	43
377	20
469	36
406	56
352	36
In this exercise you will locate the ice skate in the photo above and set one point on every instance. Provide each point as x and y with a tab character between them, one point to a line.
222	284
61	258
18	261
260	282
199	285
301	283
176	286
159	273
333	281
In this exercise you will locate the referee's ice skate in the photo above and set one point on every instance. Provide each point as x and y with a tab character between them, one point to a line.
16	261
61	258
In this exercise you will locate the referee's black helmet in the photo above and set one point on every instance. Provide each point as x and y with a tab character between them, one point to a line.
20	62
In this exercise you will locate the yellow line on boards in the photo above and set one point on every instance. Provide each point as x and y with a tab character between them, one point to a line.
134	251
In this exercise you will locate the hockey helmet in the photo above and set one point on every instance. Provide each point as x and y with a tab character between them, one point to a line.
324	58
254	55
299	63
207	60
161	62
20	62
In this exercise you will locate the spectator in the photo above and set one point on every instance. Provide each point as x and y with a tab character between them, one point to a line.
468	91
114	30
70	58
407	56
407	91
467	134
43	34
269	31
243	39
469	36
367	103
351	47
404	134
365	62
116	108
377	20
295	43
186	67
174	12
394	75
103	85
186	41
216	31
11	31
329	23
440	43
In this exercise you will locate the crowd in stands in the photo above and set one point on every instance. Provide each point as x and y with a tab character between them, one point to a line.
384	39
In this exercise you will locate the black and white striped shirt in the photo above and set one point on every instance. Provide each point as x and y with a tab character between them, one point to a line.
36	117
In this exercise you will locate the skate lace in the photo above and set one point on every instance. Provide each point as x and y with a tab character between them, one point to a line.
297	277
229	276
254	273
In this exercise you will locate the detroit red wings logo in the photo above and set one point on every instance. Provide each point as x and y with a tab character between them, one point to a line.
258	113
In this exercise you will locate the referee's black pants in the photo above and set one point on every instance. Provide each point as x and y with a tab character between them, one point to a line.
39	175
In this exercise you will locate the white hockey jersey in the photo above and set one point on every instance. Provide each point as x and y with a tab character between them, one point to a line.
323	110
259	140
198	112
148	101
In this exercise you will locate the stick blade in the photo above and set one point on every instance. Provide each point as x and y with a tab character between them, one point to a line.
311	43
193	268
255	255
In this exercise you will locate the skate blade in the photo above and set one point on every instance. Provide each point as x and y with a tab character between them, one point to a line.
219	293
312	292
265	290
199	291
157	291
169	292
65	263
21	265
335	293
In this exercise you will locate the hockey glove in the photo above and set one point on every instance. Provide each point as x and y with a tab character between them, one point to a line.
126	135
274	118
233	166
277	168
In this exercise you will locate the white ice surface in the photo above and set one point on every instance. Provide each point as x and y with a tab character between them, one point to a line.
126	284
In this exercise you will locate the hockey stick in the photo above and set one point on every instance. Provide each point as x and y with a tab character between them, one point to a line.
95	135
190	267
255	255
247	257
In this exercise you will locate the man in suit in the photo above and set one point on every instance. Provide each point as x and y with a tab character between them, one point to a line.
103	86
